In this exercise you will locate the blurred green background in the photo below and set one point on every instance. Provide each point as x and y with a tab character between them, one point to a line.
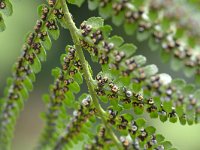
30	124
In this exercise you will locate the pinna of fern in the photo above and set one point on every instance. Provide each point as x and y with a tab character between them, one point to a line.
67	81
24	70
138	17
122	73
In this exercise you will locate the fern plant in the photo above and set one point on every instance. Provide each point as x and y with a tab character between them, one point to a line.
111	114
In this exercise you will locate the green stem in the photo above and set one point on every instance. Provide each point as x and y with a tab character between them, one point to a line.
87	75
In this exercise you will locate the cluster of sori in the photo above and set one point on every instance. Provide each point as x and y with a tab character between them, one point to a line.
79	125
6	9
24	70
176	11
61	96
177	97
101	140
137	134
127	83
152	25
93	38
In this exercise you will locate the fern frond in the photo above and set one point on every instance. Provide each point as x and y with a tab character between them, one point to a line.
122	72
109	116
7	10
61	96
139	18
79	125
24	70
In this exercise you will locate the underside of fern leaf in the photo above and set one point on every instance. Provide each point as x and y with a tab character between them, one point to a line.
110	115
24	70
130	83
